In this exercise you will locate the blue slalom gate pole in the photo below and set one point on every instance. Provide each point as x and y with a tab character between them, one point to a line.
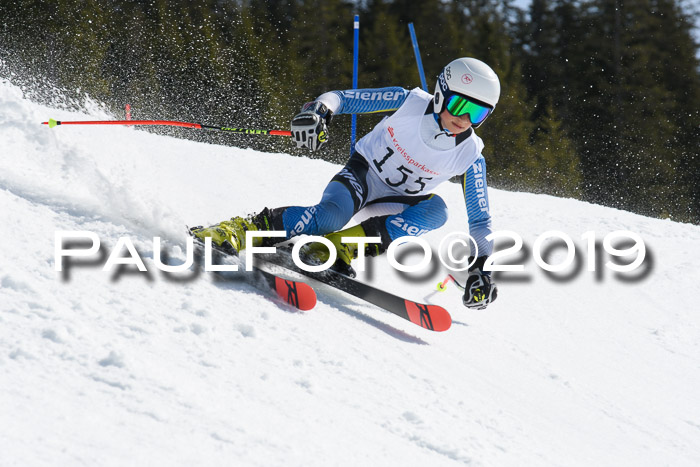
419	62
355	58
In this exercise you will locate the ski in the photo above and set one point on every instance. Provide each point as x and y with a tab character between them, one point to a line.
295	293
431	317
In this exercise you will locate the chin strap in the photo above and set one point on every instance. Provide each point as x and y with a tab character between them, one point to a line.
444	130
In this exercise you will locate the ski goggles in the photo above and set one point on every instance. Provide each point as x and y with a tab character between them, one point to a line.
459	105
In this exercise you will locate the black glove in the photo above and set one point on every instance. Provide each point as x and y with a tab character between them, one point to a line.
310	127
479	290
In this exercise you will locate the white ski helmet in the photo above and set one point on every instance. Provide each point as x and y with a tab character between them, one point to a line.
470	78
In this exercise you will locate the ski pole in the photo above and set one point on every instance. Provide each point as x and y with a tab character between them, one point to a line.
199	126
416	51
355	56
442	286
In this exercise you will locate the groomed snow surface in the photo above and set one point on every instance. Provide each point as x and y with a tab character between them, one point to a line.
128	368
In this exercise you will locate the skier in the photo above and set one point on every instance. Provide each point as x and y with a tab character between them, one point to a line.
426	141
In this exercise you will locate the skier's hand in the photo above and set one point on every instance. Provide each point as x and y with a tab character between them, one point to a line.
479	290
310	127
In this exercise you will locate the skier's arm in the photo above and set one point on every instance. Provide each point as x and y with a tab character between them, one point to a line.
477	200
479	290
363	101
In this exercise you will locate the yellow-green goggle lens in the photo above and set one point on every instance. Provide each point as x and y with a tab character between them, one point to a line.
458	106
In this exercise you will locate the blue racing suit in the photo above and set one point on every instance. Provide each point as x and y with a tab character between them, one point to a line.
361	183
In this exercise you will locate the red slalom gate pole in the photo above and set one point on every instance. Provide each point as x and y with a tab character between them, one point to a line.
199	126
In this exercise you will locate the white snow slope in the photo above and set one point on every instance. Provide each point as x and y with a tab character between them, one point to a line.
109	368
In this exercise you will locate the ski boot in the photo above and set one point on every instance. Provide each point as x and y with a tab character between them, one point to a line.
229	235
318	252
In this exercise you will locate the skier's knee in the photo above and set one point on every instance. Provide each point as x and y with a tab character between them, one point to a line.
331	216
429	214
434	210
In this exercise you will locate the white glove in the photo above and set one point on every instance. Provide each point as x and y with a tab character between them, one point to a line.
309	128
